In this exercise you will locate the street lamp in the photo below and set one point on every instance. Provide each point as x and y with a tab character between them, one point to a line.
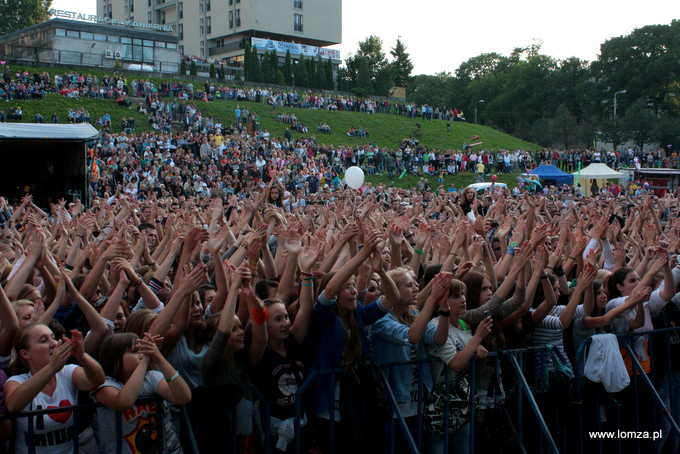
622	92
481	100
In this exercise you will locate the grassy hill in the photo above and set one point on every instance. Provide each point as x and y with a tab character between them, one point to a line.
385	130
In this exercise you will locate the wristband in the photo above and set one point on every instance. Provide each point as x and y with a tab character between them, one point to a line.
559	271
514	244
419	251
511	250
572	257
444	313
307	285
171	379
257	315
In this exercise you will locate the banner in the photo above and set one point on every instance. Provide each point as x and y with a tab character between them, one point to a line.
268	45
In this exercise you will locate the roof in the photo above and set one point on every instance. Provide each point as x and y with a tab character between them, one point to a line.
659	171
550	172
486	186
81	132
598	171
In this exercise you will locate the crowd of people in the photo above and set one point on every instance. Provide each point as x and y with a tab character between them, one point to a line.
219	264
193	298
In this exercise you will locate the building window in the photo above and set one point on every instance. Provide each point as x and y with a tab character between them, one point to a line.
238	1
297	4
297	22
181	31
132	6
208	26
231	19
231	2
202	27
149	16
180	13
181	50
149	4
207	5
237	17
200	7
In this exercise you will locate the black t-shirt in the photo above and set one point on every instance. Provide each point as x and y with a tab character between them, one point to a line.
278	377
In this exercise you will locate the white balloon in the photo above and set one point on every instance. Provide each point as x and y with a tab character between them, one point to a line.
354	177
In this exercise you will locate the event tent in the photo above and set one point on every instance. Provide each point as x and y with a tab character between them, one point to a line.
599	173
550	173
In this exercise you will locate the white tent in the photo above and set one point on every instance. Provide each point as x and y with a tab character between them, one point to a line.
599	173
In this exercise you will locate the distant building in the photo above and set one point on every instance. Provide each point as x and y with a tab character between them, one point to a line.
218	29
96	43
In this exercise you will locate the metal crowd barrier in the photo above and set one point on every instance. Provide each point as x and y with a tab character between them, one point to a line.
527	418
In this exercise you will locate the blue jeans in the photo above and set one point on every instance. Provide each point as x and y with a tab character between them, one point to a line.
668	435
459	442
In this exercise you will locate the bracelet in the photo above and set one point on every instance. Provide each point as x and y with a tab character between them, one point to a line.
171	379
511	250
419	251
550	268
572	257
311	284
257	315
444	313
513	244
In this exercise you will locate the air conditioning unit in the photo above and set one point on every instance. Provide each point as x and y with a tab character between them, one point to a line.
109	54
118	54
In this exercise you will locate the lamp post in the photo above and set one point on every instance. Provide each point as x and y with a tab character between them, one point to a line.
481	100
622	92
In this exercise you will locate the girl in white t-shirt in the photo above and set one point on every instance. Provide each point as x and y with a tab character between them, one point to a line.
48	382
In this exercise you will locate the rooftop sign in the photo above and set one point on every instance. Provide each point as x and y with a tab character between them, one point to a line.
106	20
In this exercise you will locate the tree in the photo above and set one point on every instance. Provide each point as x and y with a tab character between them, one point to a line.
383	82
401	64
320	73
288	69
247	62
364	77
301	73
612	131
193	70
641	123
213	73
183	67
328	65
370	50
18	14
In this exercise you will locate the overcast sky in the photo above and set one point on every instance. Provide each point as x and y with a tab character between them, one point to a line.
442	34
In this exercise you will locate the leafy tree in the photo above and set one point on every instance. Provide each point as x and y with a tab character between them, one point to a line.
247	61
267	74
328	67
220	72
565	127
613	131
401	64
644	63
288	70
482	65
383	82
364	76
370	49
193	70
320	73
213	73
18	14
255	68
183	67
641	123
301	79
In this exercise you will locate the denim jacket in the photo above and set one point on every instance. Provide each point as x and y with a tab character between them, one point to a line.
390	344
